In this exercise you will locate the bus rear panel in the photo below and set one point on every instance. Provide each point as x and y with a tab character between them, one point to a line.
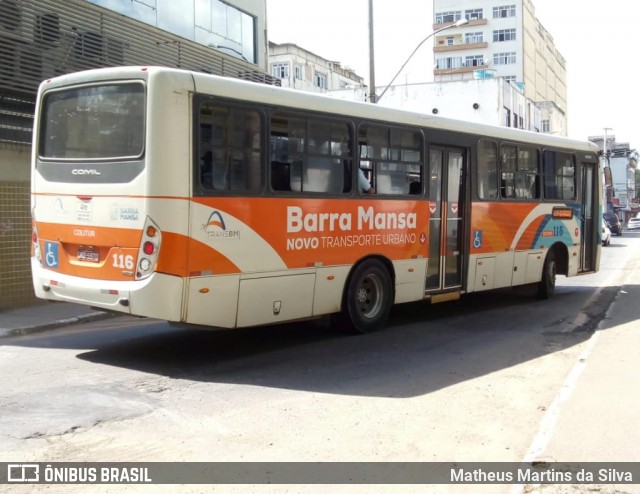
98	234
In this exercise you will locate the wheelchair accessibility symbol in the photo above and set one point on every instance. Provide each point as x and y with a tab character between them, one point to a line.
477	239
51	255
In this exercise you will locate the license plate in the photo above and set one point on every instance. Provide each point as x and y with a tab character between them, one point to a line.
88	255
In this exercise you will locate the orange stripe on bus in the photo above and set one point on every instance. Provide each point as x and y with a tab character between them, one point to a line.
183	256
112	245
499	223
328	243
205	260
89	234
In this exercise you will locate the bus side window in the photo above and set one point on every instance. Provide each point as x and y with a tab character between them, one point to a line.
206	170
392	179
295	176
280	176
366	167
324	174
392	157
487	172
535	187
316	150
346	170
230	148
509	160
528	173
559	175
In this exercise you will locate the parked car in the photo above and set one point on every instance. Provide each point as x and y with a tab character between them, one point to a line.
613	222
606	233
634	223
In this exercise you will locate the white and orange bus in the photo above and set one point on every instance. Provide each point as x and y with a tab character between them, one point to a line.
214	201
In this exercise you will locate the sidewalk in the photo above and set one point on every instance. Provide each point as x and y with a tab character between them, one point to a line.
42	316
597	417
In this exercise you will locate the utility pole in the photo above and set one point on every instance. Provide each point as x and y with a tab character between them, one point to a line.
604	145
372	69
608	179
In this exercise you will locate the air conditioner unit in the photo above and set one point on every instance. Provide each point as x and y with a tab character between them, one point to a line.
16	23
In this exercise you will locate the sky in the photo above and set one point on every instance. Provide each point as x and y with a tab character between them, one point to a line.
597	39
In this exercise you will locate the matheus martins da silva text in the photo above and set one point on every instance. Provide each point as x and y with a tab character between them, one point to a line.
531	475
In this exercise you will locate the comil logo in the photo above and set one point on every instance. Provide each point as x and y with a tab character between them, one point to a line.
85	171
23	472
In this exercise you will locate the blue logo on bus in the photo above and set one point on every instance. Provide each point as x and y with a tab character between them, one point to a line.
477	239
215	219
51	258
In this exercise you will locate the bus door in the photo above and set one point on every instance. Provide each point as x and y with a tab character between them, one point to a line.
589	217
446	208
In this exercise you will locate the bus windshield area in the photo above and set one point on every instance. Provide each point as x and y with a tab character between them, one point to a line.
93	122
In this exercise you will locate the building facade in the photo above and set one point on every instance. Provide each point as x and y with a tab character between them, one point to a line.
622	188
45	38
506	38
236	28
489	100
298	68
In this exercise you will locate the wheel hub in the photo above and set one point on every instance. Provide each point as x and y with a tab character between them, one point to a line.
362	296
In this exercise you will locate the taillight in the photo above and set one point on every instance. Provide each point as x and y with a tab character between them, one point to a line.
35	242
149	249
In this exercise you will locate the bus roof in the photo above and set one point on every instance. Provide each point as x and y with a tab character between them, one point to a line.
242	90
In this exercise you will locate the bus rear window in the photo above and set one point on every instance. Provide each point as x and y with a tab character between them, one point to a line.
94	122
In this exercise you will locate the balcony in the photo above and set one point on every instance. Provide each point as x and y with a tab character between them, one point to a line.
472	22
459	46
459	70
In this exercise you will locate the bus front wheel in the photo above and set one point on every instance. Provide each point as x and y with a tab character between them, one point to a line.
547	284
369	297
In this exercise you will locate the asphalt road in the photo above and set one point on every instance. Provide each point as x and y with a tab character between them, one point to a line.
487	378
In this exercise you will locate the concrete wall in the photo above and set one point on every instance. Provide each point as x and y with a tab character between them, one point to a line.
15	226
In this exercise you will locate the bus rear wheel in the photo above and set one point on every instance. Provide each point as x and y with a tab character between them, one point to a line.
368	297
547	284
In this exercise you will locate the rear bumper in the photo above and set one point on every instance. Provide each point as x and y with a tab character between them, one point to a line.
159	296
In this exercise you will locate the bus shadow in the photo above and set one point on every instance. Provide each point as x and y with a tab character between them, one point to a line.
425	348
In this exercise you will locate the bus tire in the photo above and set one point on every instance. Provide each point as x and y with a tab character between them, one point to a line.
547	284
368	297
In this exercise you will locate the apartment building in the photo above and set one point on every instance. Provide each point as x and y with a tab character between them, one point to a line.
45	38
505	38
301	69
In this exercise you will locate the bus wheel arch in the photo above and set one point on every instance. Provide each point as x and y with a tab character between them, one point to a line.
368	294
556	262
561	256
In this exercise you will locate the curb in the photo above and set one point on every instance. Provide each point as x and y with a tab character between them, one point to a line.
27	330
